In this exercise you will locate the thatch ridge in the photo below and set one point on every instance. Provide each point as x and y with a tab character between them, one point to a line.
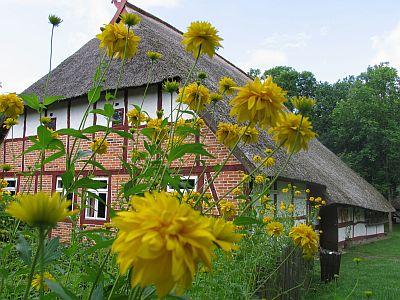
73	78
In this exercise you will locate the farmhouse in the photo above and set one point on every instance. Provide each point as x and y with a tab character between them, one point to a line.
355	210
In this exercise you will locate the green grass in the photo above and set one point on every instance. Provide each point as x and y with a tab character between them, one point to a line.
379	272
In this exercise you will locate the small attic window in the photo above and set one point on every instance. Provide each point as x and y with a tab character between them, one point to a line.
118	118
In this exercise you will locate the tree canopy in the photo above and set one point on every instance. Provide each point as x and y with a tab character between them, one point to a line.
358	118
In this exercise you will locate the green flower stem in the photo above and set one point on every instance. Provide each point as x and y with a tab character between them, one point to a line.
103	263
41	259
35	259
114	285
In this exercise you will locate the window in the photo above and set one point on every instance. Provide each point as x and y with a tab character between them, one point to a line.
118	118
96	202
59	189
53	123
12	185
187	183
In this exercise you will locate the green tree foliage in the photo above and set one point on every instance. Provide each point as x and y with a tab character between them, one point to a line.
357	117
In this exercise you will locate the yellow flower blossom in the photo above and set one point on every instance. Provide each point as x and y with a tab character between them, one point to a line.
160	233
119	41
285	190
41	209
303	104
307	191
224	233
275	229
293	131
227	134
259	179
237	191
11	105
45	120
249	135
259	102
135	117
201	37
160	130
38	279
297	193
228	209
226	85
305	237
215	97
282	206
99	146
10	122
257	158
267	219
269	162
154	56
268	151
130	19
195	95
290	208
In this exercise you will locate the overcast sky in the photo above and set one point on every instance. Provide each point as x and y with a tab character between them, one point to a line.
332	40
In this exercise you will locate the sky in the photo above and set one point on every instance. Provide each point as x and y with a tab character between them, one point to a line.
332	39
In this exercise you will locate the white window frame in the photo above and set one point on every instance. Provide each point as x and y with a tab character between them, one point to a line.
196	179
96	203
61	191
11	189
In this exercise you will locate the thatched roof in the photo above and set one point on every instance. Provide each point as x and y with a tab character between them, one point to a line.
73	78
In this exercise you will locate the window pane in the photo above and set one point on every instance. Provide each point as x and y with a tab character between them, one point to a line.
187	184
11	183
101	213
59	184
91	207
118	117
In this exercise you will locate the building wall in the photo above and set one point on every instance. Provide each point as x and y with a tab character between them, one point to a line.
69	114
356	224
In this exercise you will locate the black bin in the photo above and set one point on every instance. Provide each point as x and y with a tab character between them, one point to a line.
330	264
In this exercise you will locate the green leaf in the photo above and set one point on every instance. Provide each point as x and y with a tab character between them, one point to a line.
99	245
122	133
94	129
94	94
134	190
44	136
72	132
31	100
89	183
109	110
148	132
52	251
186	130
51	99
54	156
60	291
24	249
96	164
244	220
98	292
180	150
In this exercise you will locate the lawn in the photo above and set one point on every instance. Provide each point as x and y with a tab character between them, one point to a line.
378	272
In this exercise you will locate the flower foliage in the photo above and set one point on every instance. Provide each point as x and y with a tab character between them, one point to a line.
11	105
99	146
305	237
195	95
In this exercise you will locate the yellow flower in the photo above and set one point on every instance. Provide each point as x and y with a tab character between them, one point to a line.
265	199
311	199
259	179
274	229
305	237
214	97
307	191
201	37
119	41
269	162
162	241
268	151
303	104
3	183
160	129
154	56
10	122
294	131
99	146
249	135
267	219
38	279
290	208
227	134
282	206
41	209
196	96
259	102
6	167
237	191
224	233
228	209
285	190
45	120
318	218
11	105
135	117
170	86
297	193
318	199
323	202
130	19
226	85
257	158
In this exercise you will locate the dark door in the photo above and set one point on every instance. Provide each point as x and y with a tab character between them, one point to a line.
328	225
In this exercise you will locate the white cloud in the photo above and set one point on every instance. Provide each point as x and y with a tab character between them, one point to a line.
264	59
156	3
323	31
387	47
285	41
